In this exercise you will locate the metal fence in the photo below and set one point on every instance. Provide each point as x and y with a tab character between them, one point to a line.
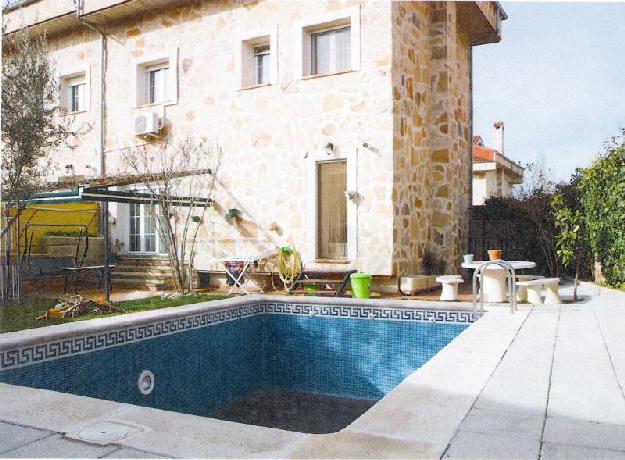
494	234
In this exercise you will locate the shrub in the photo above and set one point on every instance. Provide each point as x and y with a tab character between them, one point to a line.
602	189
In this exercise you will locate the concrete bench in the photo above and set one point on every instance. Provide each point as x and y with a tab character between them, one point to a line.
521	292
450	286
534	288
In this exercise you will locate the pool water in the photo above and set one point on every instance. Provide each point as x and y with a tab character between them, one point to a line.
205	371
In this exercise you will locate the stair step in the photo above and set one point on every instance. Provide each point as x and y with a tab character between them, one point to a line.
314	281
138	282
140	274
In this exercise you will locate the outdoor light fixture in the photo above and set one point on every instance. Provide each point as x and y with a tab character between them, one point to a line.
69	169
329	148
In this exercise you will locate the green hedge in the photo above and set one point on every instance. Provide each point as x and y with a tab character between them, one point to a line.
602	188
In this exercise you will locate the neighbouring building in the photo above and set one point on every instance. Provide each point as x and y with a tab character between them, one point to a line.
494	174
345	125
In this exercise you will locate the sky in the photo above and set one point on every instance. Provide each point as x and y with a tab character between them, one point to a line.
557	80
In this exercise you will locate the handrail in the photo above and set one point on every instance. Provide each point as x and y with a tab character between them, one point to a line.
511	278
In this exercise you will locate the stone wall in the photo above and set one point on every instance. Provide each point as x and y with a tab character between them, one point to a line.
269	135
431	92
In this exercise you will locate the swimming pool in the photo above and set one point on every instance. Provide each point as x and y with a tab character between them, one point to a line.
230	362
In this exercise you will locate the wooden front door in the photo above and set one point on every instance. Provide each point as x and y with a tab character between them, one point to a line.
331	210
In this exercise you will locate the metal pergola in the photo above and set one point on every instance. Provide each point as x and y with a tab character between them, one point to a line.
99	190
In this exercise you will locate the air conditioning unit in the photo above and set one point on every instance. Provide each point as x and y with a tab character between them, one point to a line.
147	124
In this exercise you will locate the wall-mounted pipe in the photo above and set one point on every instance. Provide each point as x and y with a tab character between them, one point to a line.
105	210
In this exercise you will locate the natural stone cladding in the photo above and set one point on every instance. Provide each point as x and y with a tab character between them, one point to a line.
431	127
402	118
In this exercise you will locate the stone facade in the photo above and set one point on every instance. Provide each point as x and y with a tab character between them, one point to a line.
401	119
431	128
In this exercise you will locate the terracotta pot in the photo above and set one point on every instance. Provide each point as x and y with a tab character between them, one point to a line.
495	254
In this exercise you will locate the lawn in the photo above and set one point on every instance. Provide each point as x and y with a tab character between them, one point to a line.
15	316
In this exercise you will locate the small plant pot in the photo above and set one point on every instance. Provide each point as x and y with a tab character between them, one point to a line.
495	254
468	258
233	213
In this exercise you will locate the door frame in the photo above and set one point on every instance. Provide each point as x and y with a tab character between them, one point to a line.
126	235
309	255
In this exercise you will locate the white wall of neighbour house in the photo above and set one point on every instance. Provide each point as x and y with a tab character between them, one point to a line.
270	135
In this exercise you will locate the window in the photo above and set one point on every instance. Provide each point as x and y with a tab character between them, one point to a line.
156	84
262	65
155	79
256	58
331	51
328	43
74	91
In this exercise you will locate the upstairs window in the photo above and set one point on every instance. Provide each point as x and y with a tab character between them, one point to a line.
331	51
156	84
256	59
262	65
74	92
76	95
155	79
329	43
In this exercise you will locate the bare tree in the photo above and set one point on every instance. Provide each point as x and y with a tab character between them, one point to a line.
180	178
31	129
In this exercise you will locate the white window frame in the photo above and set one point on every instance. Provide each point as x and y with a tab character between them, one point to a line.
349	17
140	69
70	78
244	64
161	98
309	255
258	54
331	32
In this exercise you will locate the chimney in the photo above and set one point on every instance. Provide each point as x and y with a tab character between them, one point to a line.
498	135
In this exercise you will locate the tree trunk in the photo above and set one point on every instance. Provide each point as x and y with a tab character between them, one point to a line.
576	282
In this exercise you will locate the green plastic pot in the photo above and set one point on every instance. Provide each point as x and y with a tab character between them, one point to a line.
311	290
360	285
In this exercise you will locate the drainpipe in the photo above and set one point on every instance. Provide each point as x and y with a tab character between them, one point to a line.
470	147
105	206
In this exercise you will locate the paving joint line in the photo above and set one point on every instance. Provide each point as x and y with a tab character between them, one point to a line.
607	349
503	355
553	356
52	434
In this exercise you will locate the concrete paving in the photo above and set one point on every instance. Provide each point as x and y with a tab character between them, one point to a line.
546	382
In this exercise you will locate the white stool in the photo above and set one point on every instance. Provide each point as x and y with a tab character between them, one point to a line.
551	291
521	292
532	289
450	286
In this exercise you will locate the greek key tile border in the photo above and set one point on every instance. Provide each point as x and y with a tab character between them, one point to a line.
38	353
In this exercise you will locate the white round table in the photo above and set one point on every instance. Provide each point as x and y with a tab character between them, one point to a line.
494	278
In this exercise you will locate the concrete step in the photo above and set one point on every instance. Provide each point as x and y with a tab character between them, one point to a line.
144	261
134	282
140	274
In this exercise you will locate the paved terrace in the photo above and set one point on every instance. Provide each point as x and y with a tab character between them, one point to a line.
546	382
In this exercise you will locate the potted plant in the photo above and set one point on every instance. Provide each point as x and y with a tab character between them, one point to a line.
495	254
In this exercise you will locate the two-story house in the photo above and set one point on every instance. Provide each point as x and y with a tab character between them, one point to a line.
345	125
